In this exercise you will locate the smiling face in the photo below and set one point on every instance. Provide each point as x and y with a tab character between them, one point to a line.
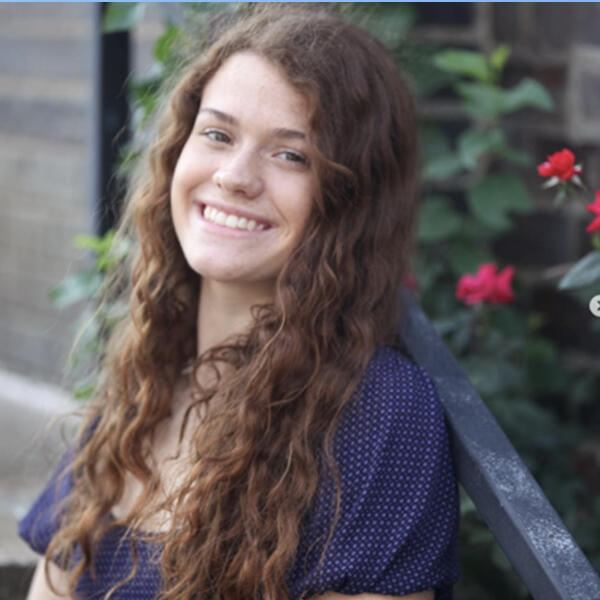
243	186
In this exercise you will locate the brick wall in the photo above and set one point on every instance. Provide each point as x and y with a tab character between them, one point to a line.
45	170
44	103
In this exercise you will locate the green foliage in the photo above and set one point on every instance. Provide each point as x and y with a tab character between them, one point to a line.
466	62
499	57
484	100
163	49
493	198
473	144
103	309
483	97
80	286
585	271
438	220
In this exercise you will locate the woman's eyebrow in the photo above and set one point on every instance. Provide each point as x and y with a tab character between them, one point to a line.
279	132
231	120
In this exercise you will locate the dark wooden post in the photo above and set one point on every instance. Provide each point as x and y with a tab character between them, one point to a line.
111	64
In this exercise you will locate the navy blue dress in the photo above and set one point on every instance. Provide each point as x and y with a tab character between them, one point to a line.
399	514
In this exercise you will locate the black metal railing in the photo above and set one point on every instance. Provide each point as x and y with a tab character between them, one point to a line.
532	535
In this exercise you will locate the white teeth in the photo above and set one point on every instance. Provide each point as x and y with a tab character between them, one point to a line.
231	221
221	218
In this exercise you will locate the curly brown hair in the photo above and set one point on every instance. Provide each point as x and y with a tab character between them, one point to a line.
237	514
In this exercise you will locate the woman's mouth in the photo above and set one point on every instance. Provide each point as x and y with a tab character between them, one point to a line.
229	220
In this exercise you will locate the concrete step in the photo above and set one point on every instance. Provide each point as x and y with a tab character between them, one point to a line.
30	446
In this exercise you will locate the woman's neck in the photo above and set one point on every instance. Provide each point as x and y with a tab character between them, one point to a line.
224	310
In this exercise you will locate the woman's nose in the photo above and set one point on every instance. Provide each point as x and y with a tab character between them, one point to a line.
238	174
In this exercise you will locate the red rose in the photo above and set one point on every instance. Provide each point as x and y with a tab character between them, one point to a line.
560	164
486	285
476	288
502	292
594	207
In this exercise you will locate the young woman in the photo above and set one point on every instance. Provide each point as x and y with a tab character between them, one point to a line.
255	434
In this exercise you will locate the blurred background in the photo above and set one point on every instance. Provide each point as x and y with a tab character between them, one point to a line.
499	88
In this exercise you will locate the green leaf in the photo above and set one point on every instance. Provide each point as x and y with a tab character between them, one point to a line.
483	100
142	88
79	286
464	62
585	272
118	250
528	92
499	57
122	16
144	93
480	100
437	220
164	44
492	199
92	242
515	157
474	143
465	256
84	391
442	167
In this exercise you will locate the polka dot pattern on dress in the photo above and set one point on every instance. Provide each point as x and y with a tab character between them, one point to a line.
399	514
398	522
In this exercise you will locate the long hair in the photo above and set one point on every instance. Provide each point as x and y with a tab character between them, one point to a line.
255	470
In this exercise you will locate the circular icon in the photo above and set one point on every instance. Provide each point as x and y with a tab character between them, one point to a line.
595	305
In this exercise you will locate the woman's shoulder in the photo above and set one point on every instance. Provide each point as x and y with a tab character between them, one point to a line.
399	511
396	403
393	378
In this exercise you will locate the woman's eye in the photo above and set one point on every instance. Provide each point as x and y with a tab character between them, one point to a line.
294	157
215	135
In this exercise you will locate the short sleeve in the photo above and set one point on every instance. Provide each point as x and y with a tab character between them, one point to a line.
42	521
399	514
